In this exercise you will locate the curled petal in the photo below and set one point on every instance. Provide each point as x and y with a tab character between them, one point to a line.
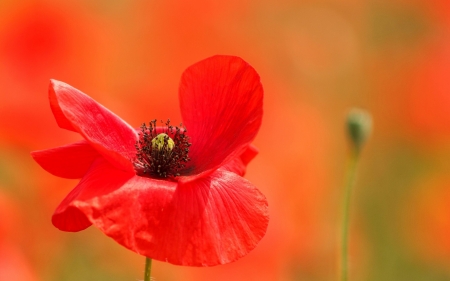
95	183
211	221
221	103
106	132
70	161
67	217
239	164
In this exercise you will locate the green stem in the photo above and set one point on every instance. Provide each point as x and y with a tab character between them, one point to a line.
148	269
351	174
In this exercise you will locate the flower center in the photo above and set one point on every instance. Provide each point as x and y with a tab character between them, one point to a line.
163	154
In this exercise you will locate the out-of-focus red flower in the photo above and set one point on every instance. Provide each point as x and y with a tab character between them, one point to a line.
13	263
39	40
428	101
209	214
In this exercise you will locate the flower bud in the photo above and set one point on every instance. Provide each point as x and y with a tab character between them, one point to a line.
359	126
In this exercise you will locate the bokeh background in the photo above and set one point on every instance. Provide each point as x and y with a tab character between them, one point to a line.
316	58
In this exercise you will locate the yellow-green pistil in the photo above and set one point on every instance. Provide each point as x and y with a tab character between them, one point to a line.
160	140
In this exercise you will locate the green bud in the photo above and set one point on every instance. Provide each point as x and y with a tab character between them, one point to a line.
359	126
159	141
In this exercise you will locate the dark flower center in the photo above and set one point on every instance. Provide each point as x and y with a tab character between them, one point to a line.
161	154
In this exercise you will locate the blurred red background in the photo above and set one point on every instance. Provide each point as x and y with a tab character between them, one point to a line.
316	59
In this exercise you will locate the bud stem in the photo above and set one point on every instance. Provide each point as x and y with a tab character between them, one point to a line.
350	182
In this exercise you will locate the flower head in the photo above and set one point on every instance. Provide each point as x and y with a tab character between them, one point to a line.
173	194
359	127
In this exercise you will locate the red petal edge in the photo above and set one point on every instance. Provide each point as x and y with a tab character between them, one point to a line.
239	164
211	221
221	103
106	132
70	161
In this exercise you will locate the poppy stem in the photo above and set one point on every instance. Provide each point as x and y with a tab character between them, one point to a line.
148	269
350	182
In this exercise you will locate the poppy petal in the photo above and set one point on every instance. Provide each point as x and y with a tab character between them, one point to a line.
67	217
106	132
221	104
95	183
239	164
210	221
70	161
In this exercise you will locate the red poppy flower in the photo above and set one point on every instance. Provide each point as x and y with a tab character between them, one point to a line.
141	188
